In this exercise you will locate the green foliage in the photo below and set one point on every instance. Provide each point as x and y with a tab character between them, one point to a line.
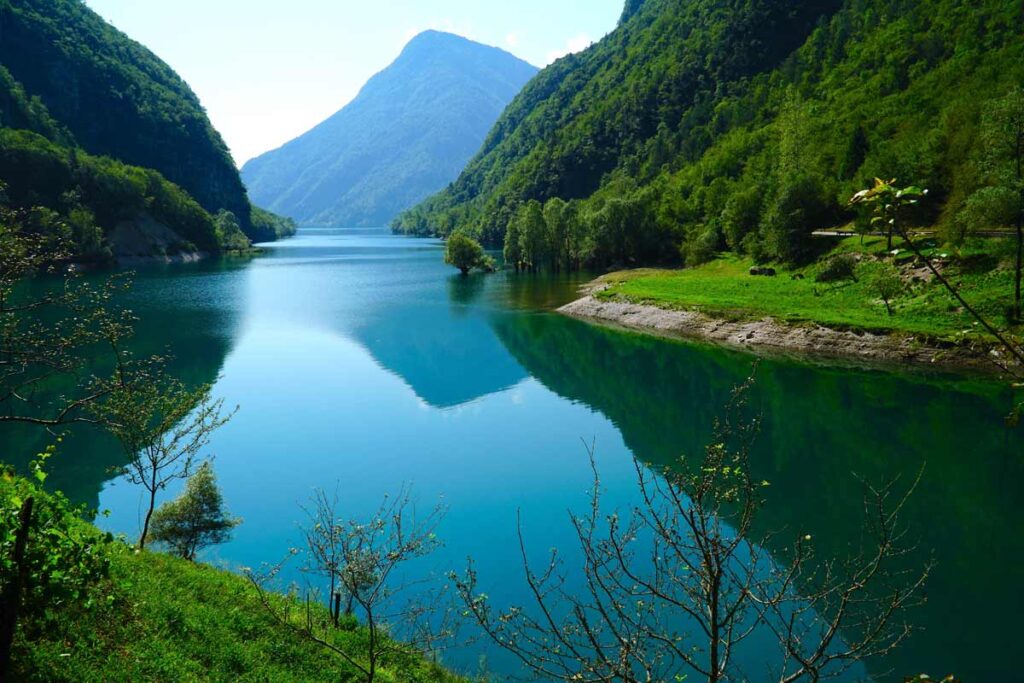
757	118
888	285
114	96
838	268
723	288
267	226
65	559
91	196
465	253
166	619
196	519
229	232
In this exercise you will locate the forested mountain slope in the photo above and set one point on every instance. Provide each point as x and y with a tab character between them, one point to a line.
700	125
408	133
102	144
117	98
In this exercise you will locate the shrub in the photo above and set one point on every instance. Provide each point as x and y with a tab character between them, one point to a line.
838	268
196	519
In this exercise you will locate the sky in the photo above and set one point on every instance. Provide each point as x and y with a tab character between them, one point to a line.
268	71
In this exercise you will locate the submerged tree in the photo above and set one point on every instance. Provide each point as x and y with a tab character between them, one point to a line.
196	519
673	587
465	253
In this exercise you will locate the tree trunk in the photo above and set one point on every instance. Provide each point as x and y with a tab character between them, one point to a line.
149	516
13	592
1020	226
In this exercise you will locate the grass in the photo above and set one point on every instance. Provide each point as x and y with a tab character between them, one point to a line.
166	619
724	288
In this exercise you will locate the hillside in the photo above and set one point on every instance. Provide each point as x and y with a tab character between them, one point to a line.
117	98
702	126
98	610
408	133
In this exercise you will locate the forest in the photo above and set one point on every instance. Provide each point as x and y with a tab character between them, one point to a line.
97	132
706	126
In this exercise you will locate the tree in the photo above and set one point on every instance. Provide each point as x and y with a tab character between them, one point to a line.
1003	140
675	585
366	559
52	335
533	235
229	232
513	252
162	426
556	220
196	519
888	285
889	203
465	253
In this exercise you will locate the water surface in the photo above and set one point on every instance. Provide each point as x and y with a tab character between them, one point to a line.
360	361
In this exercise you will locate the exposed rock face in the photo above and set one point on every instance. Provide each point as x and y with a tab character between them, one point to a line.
146	240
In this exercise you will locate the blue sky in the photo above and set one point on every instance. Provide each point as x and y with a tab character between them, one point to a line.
267	70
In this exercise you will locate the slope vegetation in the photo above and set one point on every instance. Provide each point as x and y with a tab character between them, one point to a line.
743	124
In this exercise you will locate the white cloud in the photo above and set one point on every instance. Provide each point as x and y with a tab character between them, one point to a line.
575	44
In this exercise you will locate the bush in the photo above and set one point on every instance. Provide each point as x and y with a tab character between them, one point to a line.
196	519
465	253
839	268
50	560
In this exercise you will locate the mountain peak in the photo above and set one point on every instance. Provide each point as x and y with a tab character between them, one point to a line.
407	134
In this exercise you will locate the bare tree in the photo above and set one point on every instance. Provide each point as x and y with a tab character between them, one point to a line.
365	561
53	331
672	588
162	425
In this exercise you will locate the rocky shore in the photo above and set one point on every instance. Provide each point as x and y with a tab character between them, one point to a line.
769	337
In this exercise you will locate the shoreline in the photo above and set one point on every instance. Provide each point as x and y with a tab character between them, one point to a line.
769	337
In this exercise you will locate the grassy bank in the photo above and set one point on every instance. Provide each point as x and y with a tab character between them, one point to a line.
725	289
160	618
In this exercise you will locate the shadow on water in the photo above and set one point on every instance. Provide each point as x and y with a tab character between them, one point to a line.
447	357
822	427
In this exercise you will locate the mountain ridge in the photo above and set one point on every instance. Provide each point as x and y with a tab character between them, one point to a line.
406	134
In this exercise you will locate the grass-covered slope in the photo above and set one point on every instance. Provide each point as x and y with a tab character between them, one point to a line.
743	124
408	134
166	619
724	288
117	98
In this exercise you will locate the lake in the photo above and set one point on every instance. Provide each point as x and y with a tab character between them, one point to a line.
360	361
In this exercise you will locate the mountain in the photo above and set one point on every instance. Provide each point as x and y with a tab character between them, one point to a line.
97	97
408	133
743	124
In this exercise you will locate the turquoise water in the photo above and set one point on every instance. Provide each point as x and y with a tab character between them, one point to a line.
360	361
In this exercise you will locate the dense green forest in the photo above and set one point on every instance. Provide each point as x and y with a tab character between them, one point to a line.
743	125
407	135
103	143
